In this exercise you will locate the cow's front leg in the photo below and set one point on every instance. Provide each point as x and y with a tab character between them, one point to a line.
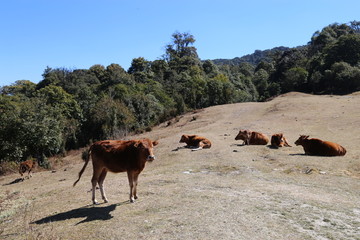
133	178
131	184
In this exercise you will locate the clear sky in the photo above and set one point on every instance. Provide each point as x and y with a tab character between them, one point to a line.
77	34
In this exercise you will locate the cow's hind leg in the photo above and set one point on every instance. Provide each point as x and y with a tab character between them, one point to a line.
101	184
94	181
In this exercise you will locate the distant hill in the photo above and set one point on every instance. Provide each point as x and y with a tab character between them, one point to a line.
253	58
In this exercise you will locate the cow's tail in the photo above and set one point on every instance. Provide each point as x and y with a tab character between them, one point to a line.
86	159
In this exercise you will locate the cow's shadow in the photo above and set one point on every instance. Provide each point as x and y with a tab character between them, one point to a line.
178	148
308	155
92	213
15	181
183	147
298	154
238	145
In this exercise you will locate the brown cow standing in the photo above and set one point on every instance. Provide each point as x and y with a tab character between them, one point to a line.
27	165
319	147
278	140
252	138
196	142
118	156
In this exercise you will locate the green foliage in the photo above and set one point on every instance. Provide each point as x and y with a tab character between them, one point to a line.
220	90
180	55
294	79
99	72
10	129
115	74
23	88
111	119
343	78
210	69
254	58
29	128
146	108
328	64
261	82
345	49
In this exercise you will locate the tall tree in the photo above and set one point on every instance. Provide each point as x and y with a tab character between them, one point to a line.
180	54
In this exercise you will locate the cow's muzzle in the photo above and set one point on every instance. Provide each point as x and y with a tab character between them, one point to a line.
150	158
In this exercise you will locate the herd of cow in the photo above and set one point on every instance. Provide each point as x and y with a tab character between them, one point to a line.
130	156
313	146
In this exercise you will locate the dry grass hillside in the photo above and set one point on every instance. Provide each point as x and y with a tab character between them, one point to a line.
227	192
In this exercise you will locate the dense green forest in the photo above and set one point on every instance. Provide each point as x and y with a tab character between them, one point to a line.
254	59
70	108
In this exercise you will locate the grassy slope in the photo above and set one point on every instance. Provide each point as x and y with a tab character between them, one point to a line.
226	192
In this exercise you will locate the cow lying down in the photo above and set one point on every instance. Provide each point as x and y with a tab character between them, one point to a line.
118	156
195	142
278	140
252	138
319	147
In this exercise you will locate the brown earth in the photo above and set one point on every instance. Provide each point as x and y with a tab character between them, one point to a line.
226	192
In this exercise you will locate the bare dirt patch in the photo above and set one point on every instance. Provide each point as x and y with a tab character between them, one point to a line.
227	192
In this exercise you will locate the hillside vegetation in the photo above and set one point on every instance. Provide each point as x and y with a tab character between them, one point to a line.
70	108
229	191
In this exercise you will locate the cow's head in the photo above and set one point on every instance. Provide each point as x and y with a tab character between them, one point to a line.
277	138
184	139
146	146
301	139
243	135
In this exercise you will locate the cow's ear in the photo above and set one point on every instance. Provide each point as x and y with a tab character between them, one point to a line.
155	143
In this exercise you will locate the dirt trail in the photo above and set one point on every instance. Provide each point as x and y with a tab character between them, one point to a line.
226	192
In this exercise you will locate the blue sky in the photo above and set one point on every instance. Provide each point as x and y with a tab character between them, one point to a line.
77	34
